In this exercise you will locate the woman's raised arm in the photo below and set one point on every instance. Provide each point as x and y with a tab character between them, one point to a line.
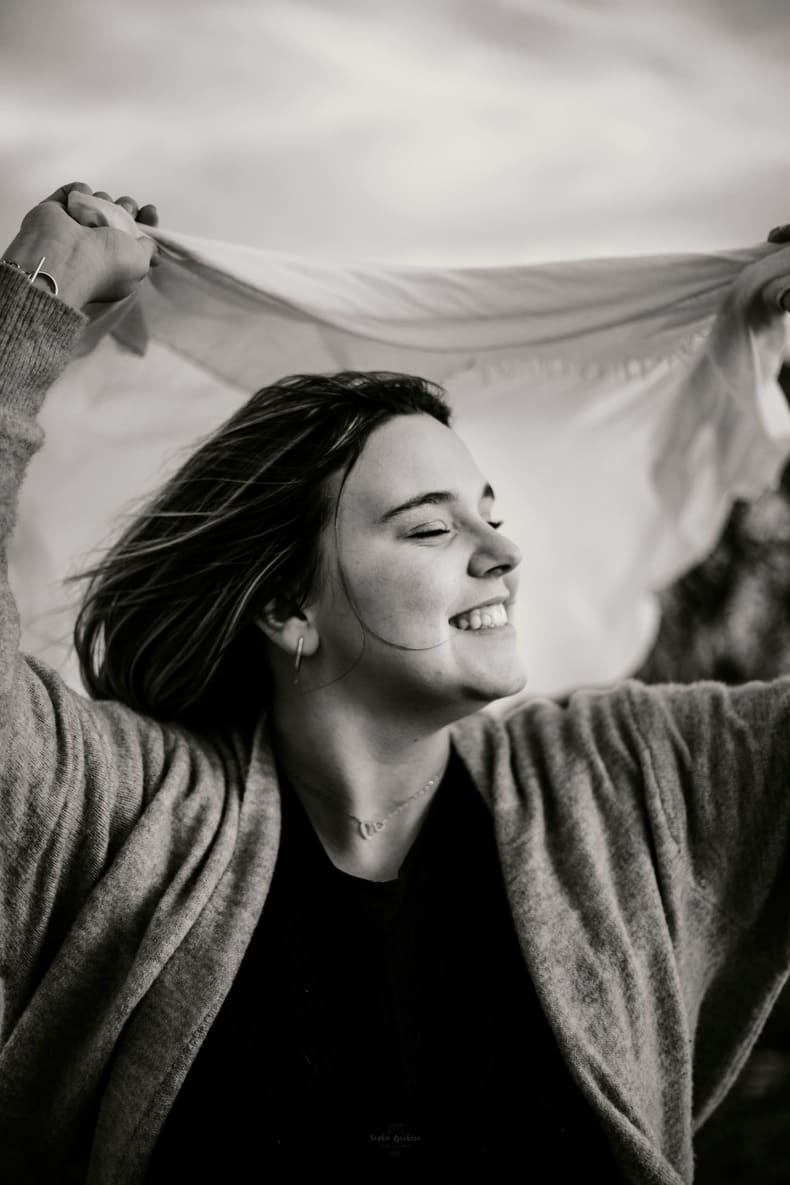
75	775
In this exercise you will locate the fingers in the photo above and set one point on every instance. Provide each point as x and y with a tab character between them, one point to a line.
128	203
148	215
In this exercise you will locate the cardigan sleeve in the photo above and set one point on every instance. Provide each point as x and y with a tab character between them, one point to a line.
659	820
74	775
718	759
706	765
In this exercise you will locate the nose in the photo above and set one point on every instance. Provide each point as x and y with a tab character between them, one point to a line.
496	555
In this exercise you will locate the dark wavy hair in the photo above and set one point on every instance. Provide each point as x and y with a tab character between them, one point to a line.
166	623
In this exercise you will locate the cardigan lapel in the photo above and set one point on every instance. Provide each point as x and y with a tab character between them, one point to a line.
593	990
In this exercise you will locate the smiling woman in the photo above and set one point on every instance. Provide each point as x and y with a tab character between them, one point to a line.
300	528
260	499
279	893
407	571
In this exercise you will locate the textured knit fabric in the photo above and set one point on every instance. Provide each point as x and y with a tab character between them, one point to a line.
642	836
409	1045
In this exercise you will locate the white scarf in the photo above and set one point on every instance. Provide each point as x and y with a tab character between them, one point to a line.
617	406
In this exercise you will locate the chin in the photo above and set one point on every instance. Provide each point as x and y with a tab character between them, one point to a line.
488	688
489	665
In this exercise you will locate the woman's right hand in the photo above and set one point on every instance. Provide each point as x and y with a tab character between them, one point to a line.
90	263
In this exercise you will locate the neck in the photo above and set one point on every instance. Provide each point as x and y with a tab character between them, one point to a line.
342	762
366	765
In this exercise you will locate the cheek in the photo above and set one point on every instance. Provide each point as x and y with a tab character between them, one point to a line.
406	603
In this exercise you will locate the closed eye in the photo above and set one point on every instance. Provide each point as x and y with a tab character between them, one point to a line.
432	532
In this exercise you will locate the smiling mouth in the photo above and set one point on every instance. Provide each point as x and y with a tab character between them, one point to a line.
488	617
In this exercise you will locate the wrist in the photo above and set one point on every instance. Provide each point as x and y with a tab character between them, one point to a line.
75	286
38	277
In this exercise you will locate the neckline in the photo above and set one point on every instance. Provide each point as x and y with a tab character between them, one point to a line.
294	809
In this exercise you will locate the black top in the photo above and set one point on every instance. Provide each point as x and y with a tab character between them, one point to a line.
387	1031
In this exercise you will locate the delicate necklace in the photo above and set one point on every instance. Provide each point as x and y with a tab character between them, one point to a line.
374	826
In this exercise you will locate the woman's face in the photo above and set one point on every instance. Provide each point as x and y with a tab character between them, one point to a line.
417	581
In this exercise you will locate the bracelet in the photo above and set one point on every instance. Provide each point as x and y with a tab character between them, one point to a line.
38	274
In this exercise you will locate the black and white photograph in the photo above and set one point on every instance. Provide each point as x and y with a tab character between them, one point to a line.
395	592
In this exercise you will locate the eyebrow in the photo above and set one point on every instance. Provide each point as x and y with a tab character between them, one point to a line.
432	498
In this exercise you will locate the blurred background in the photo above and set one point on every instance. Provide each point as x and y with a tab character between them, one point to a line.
454	132
441	130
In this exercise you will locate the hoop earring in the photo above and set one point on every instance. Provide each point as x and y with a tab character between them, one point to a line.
298	660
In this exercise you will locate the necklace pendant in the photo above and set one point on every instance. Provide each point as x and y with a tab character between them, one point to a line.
366	830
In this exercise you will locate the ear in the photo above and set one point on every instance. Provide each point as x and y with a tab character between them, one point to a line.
283	623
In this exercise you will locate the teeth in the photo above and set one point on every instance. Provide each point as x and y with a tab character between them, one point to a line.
490	618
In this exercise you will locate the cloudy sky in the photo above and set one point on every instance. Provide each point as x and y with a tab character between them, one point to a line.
422	130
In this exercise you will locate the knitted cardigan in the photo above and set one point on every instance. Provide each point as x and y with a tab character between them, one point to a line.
642	835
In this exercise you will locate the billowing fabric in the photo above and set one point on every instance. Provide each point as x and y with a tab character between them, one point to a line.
617	406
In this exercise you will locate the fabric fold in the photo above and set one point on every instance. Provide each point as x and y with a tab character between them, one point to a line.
617	405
